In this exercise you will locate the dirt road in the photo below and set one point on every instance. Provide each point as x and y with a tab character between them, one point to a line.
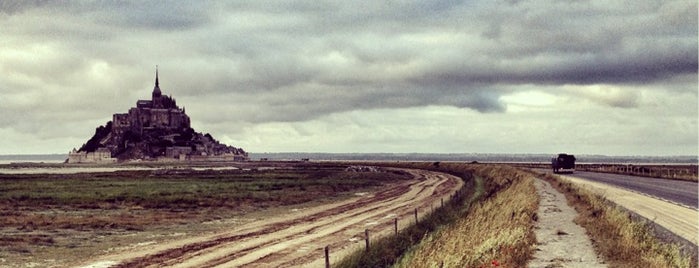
680	220
298	238
560	241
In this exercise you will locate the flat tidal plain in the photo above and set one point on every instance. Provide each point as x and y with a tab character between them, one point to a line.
50	219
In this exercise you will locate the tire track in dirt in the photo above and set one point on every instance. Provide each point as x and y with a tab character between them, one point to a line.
286	232
175	255
298	239
343	227
335	225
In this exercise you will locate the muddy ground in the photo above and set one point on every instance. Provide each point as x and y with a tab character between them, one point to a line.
68	220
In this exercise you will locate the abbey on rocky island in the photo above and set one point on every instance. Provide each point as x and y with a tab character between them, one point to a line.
156	129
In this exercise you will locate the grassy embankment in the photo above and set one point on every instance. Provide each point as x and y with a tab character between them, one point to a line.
34	207
489	223
623	240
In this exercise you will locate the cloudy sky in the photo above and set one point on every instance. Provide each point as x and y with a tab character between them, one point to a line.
474	76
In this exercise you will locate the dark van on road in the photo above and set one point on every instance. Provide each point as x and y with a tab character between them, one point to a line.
564	163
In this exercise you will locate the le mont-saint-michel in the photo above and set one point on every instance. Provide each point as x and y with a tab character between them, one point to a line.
154	130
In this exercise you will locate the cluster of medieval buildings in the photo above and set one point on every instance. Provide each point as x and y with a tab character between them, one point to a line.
156	129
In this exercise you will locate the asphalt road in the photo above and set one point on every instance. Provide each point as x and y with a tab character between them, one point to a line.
681	192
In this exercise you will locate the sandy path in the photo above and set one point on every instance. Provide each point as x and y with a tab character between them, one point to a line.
560	242
297	238
680	220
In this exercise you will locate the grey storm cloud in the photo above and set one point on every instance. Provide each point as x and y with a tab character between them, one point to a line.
272	61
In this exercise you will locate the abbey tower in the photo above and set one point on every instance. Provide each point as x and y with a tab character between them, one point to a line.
160	112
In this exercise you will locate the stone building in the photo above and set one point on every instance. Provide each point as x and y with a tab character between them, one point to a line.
160	112
156	129
101	155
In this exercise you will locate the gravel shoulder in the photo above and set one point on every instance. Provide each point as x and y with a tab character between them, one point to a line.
680	220
680	192
560	242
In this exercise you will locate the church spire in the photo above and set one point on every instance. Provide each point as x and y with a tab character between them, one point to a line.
156	89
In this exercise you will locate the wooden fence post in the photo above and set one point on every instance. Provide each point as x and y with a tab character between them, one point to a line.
366	235
395	225
327	256
416	216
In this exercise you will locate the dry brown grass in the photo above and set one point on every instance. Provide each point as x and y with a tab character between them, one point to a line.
140	199
621	239
496	231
